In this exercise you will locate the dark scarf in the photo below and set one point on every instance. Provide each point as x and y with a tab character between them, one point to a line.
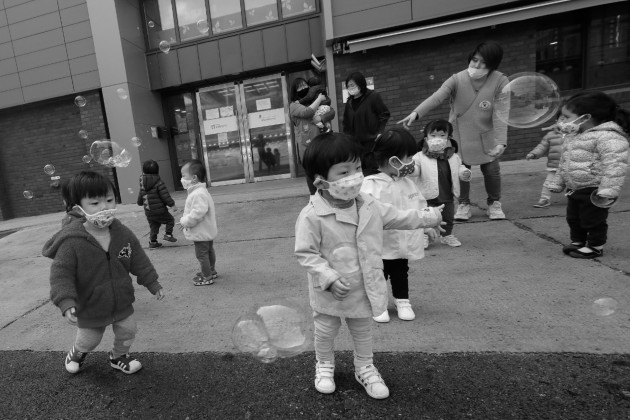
444	155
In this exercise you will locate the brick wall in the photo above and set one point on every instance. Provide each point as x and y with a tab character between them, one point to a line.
406	74
35	135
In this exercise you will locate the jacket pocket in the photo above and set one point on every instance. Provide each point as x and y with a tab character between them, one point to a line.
98	304
487	141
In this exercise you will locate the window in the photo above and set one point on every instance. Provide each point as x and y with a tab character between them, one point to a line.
559	55
226	15
608	49
192	19
292	8
160	25
260	11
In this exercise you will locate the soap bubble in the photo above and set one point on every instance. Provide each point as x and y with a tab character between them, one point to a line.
109	153
80	101
130	190
122	93
28	194
203	26
274	330
165	47
605	306
83	134
49	169
151	24
87	159
136	141
529	99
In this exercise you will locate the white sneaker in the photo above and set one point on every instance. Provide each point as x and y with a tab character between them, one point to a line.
426	241
371	380
325	377
450	240
494	211
404	310
384	317
463	212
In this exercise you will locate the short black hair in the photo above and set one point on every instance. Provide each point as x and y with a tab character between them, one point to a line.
359	79
395	141
85	184
329	149
150	167
314	81
601	107
491	52
438	125
195	167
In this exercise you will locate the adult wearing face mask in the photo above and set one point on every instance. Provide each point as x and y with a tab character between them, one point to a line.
365	114
481	136
302	119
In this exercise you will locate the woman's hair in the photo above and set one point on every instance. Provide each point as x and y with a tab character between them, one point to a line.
86	184
600	106
491	52
359	79
150	167
396	141
294	88
195	167
329	149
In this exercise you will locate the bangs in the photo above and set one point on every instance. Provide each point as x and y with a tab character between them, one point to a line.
330	149
438	125
86	184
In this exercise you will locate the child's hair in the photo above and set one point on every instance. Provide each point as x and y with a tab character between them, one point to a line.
600	106
395	141
329	149
85	184
438	125
150	167
314	81
195	167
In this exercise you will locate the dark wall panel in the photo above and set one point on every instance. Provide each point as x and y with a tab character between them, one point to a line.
317	39
169	69
298	41
230	53
252	49
209	59
275	46
189	64
154	71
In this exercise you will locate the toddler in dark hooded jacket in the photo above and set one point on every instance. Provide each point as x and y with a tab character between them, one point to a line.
154	197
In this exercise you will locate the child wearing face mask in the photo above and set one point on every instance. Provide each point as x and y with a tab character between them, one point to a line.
389	164
439	170
93	255
592	168
199	221
338	240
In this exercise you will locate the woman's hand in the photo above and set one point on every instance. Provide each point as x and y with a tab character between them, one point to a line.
408	120
497	151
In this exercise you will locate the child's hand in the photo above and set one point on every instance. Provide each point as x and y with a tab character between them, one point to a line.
433	234
339	289
174	209
466	175
71	316
179	225
530	156
160	294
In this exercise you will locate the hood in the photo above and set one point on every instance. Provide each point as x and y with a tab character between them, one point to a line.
72	215
609	126
73	228
148	181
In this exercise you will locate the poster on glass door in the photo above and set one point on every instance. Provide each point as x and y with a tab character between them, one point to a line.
266	118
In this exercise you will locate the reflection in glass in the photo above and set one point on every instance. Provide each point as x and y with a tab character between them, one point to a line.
159	22
181	123
260	11
226	15
297	7
189	14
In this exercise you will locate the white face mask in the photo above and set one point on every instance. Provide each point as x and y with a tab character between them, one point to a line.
477	73
572	127
101	219
402	169
436	144
345	188
187	183
353	91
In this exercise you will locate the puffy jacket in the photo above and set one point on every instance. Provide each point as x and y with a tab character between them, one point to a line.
153	195
598	157
403	194
550	145
330	247
199	219
93	280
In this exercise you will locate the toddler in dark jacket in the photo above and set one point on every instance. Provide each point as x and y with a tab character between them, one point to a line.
154	197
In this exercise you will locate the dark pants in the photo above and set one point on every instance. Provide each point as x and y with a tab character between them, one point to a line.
448	214
492	180
587	222
204	251
397	271
156	221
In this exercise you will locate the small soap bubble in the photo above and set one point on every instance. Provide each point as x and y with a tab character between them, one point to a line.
431	77
28	194
278	329
605	306
136	141
122	93
165	47
109	153
87	159
203	26
49	169
80	101
83	134
151	24
130	190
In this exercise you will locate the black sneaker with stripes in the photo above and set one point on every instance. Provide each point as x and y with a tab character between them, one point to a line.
125	363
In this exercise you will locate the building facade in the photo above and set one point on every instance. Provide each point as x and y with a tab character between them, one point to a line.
173	80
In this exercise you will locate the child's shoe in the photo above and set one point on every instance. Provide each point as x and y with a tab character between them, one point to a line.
463	212
125	363
154	244
542	203
169	238
426	241
325	377
450	240
74	360
201	280
404	310
572	247
384	317
371	380
587	252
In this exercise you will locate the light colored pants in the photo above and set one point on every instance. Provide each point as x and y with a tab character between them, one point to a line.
545	193
124	335
327	328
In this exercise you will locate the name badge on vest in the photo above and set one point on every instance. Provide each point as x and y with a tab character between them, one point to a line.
485	105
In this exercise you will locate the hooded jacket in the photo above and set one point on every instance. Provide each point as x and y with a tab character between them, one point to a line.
426	173
597	157
93	280
153	195
550	145
199	218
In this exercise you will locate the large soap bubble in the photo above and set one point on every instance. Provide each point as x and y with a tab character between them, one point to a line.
605	306
529	99
109	153
274	330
